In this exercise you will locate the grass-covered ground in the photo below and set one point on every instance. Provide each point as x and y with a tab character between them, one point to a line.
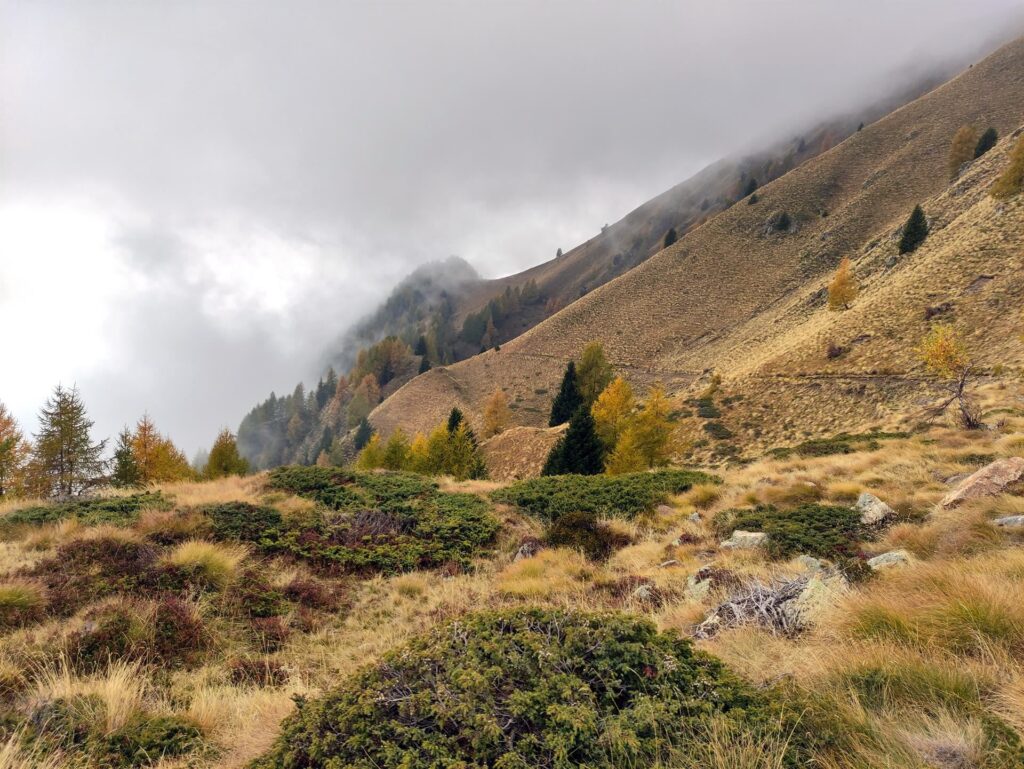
180	627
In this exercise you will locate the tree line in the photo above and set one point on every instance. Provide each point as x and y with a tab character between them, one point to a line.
62	459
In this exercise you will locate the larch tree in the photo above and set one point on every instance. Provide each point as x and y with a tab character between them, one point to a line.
497	416
568	399
1011	180
125	471
372	455
465	461
14	454
224	458
156	456
653	429
945	354
626	457
65	459
363	434
843	289
613	411
961	149
396	451
593	373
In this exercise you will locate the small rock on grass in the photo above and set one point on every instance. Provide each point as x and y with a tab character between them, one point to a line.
1010	521
872	510
744	540
889	560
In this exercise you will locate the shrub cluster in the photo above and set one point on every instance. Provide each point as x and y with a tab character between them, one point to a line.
617	496
119	511
381	522
843	443
518	689
583	532
822	530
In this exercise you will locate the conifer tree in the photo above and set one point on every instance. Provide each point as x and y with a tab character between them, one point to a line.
626	457
421	346
419	454
65	459
653	429
986	141
945	354
670	237
455	419
843	289
568	399
751	187
593	374
14	453
464	458
372	455
613	411
363	434
157	458
961	150
224	458
396	451
125	472
914	231
579	451
1011	180
424	365
497	415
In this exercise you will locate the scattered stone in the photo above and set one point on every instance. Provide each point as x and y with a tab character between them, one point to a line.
872	510
821	592
889	560
957	478
694	517
697	590
986	482
647	595
744	540
666	564
528	549
686	538
1010	521
811	563
665	510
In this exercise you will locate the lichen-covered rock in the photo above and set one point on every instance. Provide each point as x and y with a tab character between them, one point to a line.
811	563
744	540
889	560
872	510
1010	521
992	479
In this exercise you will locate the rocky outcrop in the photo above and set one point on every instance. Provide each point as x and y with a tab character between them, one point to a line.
1010	522
990	480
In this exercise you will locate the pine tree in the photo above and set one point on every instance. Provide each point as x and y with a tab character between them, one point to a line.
986	142
14	453
421	346
464	459
579	451
497	415
750	188
613	411
593	373
961	149
670	237
65	459
363	434
455	419
424	365
914	231
568	399
843	289
224	457
125	472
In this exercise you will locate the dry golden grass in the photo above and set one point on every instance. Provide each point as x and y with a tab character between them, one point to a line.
217	562
553	572
229	489
108	699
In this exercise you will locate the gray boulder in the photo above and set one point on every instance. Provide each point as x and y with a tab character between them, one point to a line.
872	510
1010	521
889	560
744	540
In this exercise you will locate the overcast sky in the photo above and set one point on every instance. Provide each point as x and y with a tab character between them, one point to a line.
197	197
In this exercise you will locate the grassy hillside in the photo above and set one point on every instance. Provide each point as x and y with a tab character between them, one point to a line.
740	297
298	616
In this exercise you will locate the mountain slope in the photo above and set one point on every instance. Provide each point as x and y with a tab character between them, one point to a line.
739	296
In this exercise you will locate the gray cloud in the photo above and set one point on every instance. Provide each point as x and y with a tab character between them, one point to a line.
324	149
